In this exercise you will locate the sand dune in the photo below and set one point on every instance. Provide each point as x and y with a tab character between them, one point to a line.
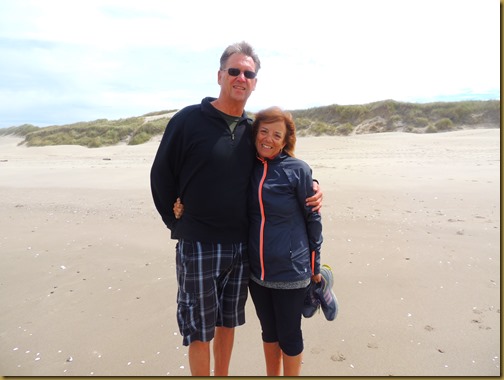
411	230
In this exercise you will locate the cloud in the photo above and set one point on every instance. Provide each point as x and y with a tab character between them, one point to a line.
82	60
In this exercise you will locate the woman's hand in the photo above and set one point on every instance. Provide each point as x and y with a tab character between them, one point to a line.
316	278
178	209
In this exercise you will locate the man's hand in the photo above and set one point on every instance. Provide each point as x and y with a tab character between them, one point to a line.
178	209
315	201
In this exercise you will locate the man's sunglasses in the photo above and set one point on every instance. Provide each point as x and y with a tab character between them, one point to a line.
235	72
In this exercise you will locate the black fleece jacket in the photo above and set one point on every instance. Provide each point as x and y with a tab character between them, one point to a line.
201	161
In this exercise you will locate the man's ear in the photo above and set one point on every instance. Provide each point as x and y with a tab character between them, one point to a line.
255	83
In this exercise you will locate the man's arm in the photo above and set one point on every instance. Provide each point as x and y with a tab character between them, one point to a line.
163	178
315	201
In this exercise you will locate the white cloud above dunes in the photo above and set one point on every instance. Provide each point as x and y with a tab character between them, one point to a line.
68	61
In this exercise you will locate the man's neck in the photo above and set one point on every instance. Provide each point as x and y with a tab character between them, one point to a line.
233	109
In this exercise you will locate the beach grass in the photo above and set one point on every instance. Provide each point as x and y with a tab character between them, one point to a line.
333	120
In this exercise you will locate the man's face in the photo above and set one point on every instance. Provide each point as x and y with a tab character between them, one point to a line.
237	88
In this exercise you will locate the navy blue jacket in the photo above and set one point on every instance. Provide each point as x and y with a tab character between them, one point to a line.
201	161
285	235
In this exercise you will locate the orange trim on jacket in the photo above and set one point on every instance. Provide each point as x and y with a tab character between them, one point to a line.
263	216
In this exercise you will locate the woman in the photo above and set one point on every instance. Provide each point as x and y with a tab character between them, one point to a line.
284	240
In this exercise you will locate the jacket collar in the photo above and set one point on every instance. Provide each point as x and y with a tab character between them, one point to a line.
278	158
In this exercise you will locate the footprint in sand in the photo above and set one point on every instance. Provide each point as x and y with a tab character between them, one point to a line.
481	327
338	357
479	321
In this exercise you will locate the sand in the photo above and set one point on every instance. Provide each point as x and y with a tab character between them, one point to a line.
411	228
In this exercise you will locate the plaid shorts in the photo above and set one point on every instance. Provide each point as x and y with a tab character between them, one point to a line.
212	288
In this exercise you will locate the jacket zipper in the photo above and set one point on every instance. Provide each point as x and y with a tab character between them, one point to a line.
263	216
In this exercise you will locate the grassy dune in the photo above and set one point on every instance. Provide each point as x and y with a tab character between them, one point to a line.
392	116
378	117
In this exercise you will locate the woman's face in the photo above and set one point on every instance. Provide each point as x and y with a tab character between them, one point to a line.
270	139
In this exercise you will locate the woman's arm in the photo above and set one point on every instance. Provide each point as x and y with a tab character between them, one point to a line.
313	219
315	201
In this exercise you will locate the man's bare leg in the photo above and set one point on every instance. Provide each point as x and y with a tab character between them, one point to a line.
199	358
222	348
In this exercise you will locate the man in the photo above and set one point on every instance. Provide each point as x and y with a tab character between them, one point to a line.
205	158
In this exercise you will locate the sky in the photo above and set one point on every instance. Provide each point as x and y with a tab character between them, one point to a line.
68	61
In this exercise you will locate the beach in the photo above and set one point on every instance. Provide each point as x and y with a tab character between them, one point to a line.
411	226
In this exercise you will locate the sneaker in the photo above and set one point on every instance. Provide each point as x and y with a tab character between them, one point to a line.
311	302
325	294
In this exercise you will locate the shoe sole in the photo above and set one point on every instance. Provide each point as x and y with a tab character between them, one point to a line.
327	274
